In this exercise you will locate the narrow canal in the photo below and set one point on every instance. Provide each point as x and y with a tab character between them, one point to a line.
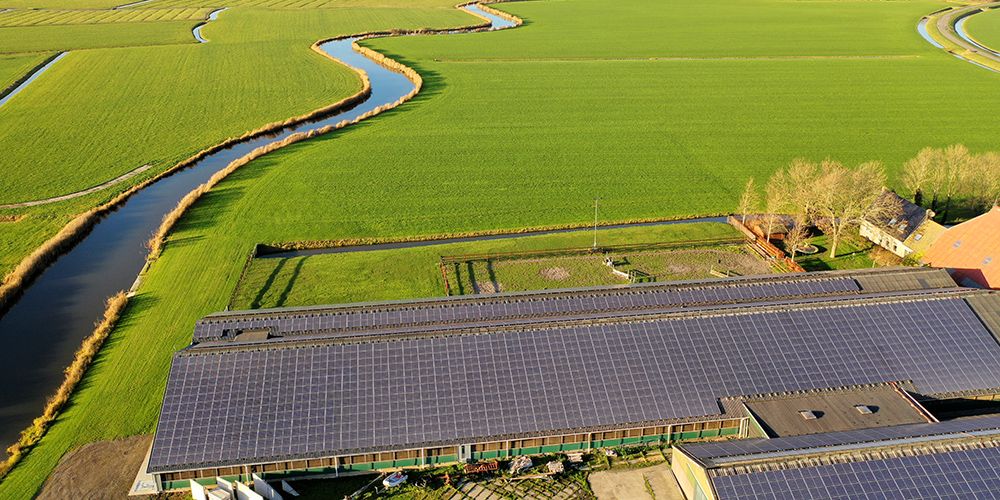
44	328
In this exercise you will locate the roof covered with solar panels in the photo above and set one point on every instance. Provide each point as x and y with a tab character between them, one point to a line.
952	459
274	399
351	318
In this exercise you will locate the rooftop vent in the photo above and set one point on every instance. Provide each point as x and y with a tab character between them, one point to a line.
809	414
864	409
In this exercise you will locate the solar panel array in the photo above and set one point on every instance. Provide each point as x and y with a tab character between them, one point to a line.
231	406
520	306
718	451
965	474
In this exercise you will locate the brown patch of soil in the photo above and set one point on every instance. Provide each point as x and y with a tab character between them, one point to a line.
486	287
554	273
104	469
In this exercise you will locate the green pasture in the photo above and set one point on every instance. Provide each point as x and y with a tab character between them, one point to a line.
118	114
573	271
985	28
516	129
61	17
51	38
414	272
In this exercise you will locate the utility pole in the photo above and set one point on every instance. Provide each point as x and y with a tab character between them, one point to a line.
595	222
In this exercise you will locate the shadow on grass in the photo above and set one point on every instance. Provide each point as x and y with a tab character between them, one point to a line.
256	302
291	282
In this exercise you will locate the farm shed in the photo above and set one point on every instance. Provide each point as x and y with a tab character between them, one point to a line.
951	459
374	386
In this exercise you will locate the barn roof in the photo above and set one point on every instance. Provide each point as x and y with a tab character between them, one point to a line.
275	399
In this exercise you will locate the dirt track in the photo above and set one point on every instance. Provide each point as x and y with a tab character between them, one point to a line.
121	178
630	484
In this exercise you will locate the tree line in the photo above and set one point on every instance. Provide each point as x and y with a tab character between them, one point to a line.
829	195
941	178
835	197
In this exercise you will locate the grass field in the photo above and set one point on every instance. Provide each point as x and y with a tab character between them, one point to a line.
15	67
51	17
523	129
117	114
985	28
414	272
852	253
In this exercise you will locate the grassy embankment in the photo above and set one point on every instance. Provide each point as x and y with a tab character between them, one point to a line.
105	113
985	28
523	128
413	272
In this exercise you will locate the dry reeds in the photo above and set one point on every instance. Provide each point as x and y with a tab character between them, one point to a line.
10	218
74	373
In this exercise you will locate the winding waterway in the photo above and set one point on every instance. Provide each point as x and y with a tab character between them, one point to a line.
43	329
197	29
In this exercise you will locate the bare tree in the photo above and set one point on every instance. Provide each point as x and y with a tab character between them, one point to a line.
846	197
954	168
801	186
796	236
776	200
919	171
982	180
749	200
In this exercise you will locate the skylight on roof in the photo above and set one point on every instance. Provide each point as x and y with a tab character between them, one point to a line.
808	414
864	409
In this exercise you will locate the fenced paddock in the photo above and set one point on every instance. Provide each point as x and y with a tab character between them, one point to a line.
604	265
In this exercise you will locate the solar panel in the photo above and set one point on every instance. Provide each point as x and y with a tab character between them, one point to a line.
973	473
543	304
232	405
718	452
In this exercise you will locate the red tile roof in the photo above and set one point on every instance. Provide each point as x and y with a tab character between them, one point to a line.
971	249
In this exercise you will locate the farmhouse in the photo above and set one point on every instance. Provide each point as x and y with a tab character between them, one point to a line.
911	231
971	251
951	459
407	384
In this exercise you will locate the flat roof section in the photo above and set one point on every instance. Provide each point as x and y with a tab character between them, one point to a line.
275	401
556	303
829	410
744	451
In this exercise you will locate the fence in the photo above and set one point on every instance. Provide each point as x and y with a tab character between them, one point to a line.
767	249
447	260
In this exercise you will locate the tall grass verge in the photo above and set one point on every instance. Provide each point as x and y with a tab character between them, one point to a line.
74	373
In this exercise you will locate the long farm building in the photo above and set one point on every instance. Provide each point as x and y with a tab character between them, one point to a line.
324	390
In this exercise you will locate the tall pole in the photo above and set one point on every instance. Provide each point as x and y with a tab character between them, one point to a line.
595	222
